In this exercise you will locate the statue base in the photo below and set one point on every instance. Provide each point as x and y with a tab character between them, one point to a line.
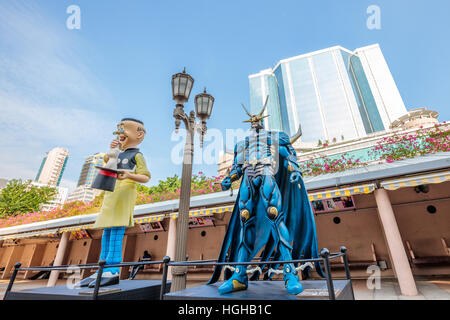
266	290
125	290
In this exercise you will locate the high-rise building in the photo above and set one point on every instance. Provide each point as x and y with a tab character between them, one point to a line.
3	183
89	171
57	201
415	120
334	94
83	193
52	167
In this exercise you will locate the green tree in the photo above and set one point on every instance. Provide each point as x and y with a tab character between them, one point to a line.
23	197
140	188
172	184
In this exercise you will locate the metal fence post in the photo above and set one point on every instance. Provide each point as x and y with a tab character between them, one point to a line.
101	264
11	280
325	255
347	269
164	277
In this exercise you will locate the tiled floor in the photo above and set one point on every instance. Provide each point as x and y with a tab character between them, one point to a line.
436	289
389	290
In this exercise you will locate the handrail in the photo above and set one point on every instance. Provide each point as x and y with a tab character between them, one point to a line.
90	266
100	266
210	263
325	257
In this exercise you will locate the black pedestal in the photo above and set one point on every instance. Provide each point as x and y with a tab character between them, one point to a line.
129	290
266	290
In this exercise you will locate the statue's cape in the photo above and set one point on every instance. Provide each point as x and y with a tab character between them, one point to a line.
298	218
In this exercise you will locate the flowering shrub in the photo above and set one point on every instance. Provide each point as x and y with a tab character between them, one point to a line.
323	165
389	149
422	142
200	185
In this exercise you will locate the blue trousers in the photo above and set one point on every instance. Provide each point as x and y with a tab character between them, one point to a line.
112	248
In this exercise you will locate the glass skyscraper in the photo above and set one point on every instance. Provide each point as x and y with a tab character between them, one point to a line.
89	171
331	93
52	167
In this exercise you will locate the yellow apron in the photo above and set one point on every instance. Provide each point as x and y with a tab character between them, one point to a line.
118	206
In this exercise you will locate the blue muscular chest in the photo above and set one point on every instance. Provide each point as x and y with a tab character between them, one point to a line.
257	147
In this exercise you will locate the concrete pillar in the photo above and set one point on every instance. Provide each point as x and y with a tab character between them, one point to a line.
14	256
171	241
59	258
394	241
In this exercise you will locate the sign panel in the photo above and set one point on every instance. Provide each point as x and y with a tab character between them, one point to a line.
333	204
195	222
151	226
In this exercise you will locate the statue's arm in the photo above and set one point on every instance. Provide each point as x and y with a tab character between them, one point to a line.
236	167
290	157
141	174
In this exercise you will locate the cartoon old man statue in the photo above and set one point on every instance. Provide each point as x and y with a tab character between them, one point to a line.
117	210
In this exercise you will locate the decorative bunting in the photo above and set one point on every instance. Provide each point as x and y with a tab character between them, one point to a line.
328	194
433	178
204	212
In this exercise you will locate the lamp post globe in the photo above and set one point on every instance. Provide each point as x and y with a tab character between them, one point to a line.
203	105
181	86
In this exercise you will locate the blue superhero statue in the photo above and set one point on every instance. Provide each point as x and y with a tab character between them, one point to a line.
272	210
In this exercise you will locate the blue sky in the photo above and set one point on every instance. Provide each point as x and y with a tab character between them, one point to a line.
68	88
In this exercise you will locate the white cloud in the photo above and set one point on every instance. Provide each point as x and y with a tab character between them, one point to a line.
28	121
48	95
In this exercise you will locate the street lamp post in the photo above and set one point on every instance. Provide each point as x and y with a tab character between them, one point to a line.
181	88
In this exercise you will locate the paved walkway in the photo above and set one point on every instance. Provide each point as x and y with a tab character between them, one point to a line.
389	290
436	289
23	285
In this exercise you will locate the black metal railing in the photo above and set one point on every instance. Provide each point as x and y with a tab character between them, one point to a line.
325	257
99	266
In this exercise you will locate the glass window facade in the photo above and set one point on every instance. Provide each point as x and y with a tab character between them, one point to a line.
62	171
89	171
284	113
342	59
327	92
273	105
333	100
368	107
40	169
305	100
261	87
255	94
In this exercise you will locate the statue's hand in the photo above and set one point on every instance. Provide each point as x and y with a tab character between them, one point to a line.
295	177
226	184
124	175
114	143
